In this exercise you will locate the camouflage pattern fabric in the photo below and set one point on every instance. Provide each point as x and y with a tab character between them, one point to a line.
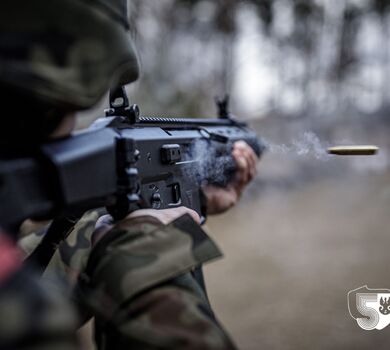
164	318
73	253
66	52
33	314
141	253
30	235
138	283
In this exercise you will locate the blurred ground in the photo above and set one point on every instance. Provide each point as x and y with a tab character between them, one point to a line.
291	256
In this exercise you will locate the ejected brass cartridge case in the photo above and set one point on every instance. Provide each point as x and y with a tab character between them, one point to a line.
366	150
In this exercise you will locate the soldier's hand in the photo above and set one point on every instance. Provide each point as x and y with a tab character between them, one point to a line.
221	199
165	216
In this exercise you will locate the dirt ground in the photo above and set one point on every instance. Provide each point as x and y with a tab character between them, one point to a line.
291	256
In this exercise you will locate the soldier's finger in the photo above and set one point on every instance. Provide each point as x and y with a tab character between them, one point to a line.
242	171
103	225
166	216
184	210
252	160
250	156
239	158
240	144
249	153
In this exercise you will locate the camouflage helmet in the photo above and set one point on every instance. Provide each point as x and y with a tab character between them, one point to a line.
66	52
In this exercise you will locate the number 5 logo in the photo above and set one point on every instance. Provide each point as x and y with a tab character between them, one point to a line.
369	307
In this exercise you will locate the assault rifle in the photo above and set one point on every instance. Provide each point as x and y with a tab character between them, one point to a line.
123	162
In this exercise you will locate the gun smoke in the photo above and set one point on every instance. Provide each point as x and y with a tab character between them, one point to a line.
213	167
306	145
210	164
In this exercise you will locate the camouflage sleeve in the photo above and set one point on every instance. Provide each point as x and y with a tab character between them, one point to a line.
71	256
72	253
140	286
33	315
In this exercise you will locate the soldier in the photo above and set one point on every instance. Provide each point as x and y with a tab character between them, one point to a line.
136	277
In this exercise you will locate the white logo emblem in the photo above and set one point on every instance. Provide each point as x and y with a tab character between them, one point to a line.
370	307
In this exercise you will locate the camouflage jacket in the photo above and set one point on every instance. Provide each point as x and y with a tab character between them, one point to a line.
33	314
138	282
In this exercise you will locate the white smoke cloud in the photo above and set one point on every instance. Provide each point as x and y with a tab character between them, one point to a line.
307	145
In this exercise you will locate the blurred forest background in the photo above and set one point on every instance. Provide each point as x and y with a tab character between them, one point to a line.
306	74
296	58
